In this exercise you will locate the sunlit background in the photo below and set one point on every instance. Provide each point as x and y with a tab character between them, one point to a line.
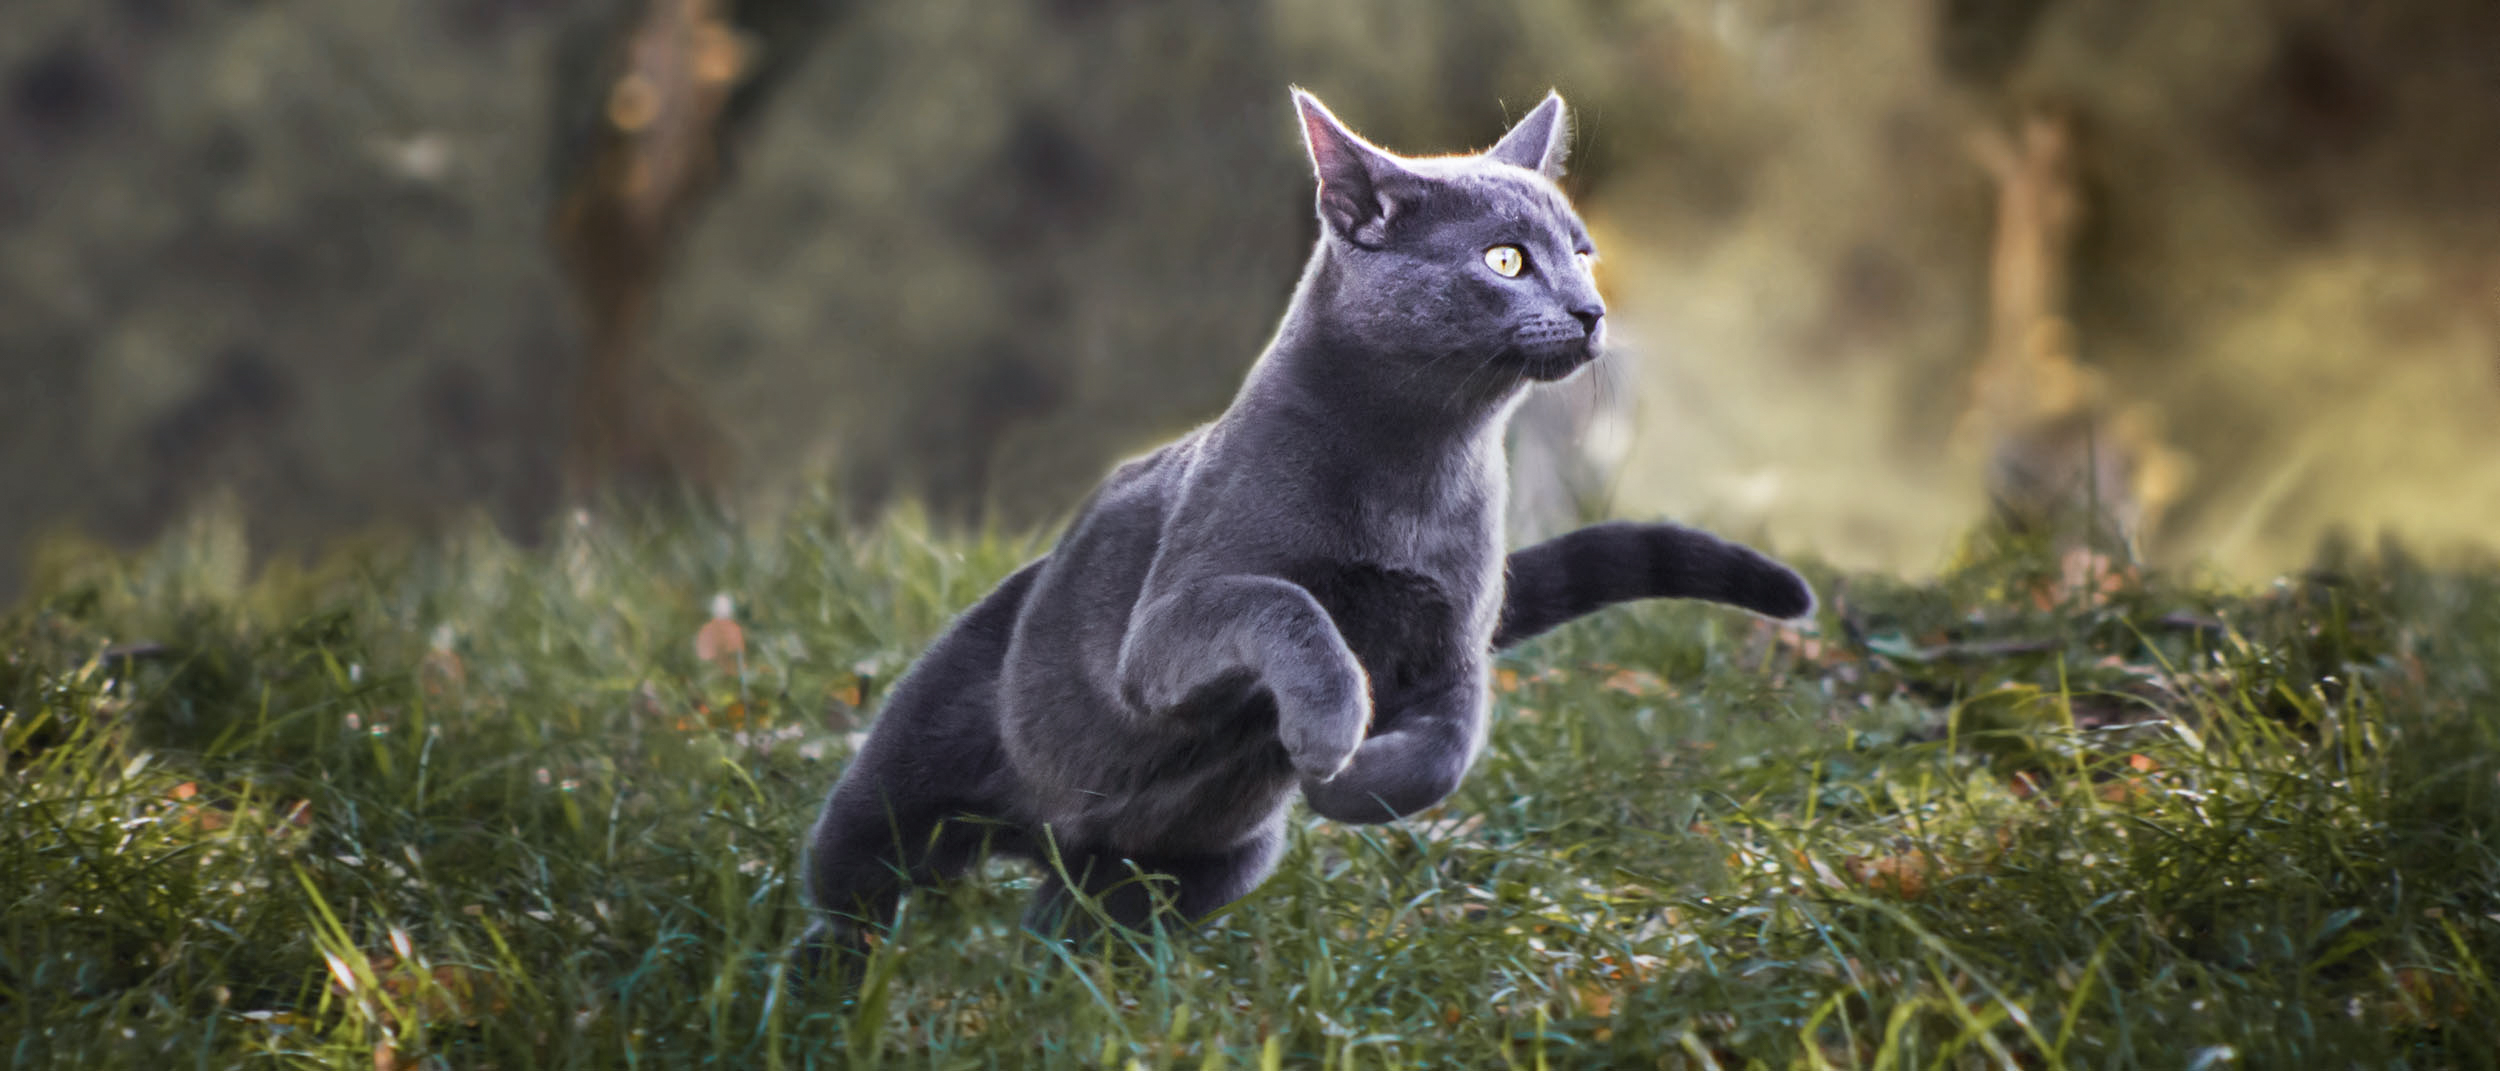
2229	271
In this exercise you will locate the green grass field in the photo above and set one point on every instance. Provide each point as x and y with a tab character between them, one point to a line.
461	805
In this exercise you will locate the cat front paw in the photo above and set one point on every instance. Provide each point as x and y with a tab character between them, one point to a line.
1321	764
1322	735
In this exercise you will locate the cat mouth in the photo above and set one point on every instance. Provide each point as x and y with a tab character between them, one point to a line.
1549	355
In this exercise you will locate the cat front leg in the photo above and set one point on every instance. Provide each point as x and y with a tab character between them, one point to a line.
1414	763
1581	572
1214	631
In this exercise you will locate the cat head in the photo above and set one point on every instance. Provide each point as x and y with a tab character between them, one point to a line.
1473	268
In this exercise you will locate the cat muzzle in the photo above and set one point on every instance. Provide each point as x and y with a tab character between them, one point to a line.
1548	352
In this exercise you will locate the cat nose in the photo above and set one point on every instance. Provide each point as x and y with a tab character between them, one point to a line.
1588	315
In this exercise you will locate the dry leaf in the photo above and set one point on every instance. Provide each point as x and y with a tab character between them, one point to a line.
1635	682
443	993
720	641
2085	577
205	818
1906	875
195	812
846	699
2121	790
1810	649
2429	999
204	815
732	716
1597	1000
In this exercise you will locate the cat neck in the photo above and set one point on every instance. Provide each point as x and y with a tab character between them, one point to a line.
1322	366
1302	388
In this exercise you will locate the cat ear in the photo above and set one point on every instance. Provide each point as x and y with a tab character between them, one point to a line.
1356	180
1540	140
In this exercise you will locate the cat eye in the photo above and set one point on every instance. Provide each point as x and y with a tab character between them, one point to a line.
1505	260
1588	261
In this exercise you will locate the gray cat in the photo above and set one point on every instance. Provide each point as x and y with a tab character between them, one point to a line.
1303	595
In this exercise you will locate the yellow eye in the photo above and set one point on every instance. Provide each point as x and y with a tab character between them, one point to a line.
1505	260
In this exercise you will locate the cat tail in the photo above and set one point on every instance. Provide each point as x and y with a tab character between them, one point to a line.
1573	575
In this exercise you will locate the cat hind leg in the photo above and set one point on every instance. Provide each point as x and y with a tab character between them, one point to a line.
898	816
1133	893
866	850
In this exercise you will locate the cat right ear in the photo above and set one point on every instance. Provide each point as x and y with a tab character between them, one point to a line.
1540	140
1355	178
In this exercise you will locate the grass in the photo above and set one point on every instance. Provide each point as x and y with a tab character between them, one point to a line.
458	804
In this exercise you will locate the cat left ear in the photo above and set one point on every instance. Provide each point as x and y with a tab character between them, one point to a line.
1540	140
1356	179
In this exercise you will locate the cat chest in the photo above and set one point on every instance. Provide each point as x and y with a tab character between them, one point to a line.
1406	628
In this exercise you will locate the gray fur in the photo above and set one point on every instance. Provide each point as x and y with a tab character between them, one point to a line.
1301	596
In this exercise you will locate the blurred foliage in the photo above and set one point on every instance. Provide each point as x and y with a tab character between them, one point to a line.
968	251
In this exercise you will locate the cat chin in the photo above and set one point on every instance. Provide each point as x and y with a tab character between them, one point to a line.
1551	365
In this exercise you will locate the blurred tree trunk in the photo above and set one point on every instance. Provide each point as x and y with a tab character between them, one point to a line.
2061	454
2064	455
674	85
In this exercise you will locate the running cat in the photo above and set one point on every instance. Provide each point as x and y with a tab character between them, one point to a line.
1304	595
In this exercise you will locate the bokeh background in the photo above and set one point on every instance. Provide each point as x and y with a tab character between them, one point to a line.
383	263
